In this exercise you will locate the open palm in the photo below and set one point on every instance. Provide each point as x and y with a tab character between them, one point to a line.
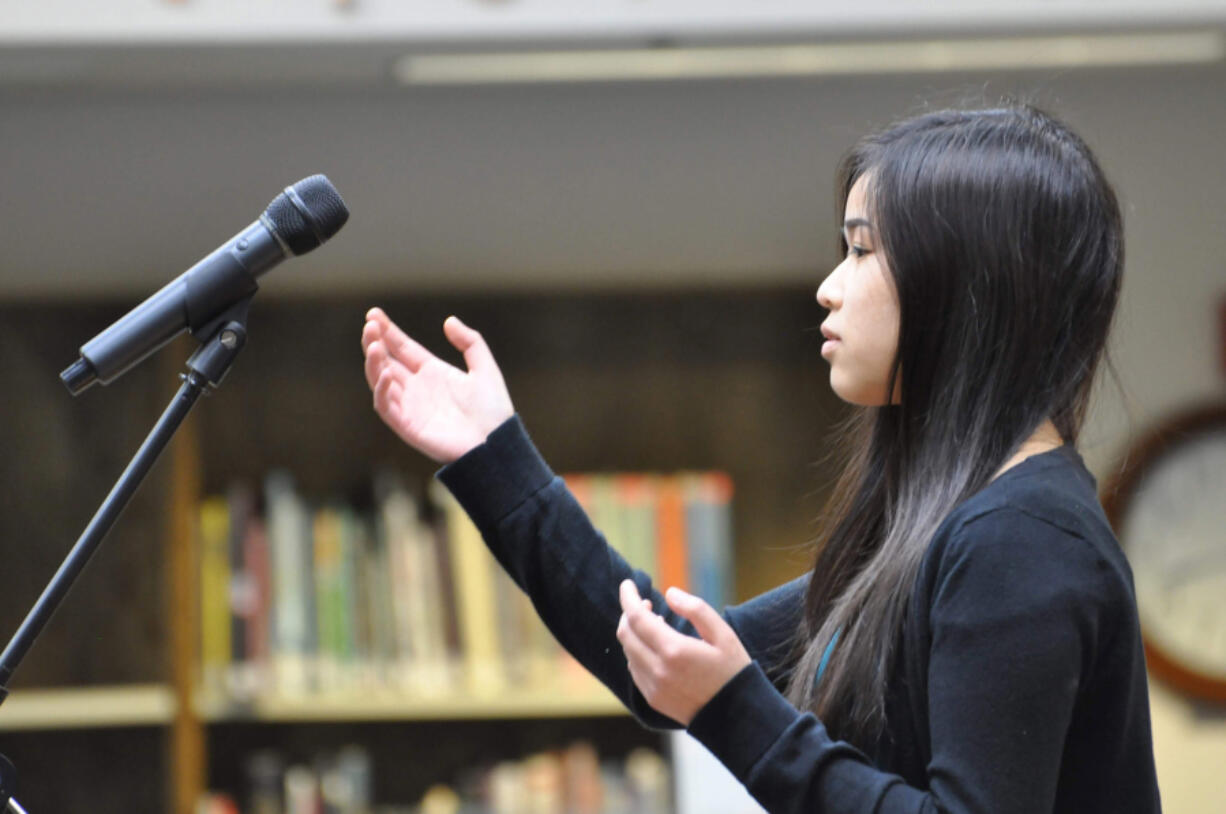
434	406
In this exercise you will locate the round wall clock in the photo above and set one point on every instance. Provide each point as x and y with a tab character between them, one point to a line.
1168	508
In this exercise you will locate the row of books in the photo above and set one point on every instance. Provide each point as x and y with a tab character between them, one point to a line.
299	598
570	780
332	783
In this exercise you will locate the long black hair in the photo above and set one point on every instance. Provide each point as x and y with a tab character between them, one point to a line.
1004	242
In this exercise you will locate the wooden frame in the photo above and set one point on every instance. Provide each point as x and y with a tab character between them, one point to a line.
1119	491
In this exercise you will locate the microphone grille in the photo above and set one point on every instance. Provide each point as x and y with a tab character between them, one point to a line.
307	213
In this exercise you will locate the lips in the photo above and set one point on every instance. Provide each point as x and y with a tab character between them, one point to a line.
832	342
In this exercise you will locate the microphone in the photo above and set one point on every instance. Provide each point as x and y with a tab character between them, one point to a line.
298	220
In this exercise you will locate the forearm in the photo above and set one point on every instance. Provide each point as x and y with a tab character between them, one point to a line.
787	760
542	537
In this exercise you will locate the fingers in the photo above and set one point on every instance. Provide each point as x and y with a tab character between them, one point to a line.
705	619
643	662
379	365
387	399
477	355
653	631
628	596
400	346
373	329
379	329
376	359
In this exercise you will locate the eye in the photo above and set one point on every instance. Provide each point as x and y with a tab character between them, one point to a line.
858	251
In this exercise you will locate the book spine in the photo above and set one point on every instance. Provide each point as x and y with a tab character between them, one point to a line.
382	612
242	509
213	535
636	496
672	555
708	517
259	620
290	540
475	599
350	637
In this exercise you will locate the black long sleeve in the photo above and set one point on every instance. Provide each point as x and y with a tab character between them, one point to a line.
1021	674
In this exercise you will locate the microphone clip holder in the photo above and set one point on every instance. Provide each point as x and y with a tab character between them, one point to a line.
221	340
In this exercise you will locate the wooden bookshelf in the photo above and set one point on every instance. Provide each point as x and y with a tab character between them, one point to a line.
660	382
89	707
514	704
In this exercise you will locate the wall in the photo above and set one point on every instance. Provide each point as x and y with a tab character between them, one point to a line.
125	21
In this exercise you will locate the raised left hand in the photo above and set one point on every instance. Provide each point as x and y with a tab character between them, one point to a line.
676	673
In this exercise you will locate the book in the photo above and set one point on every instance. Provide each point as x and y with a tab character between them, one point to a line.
637	504
359	601
301	790
447	616
254	673
293	613
429	611
332	641
381	611
607	514
213	533
672	555
216	803
241	502
708	518
417	597
393	528
583	789
475	589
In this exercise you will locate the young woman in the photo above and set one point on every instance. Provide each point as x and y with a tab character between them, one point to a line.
967	640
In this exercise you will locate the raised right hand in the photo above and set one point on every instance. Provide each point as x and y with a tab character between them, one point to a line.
435	407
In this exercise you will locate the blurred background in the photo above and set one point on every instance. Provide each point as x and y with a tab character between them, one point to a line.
633	201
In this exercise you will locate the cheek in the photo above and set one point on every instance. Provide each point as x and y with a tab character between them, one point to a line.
885	333
880	307
860	373
884	345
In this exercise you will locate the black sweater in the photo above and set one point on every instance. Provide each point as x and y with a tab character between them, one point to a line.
1020	683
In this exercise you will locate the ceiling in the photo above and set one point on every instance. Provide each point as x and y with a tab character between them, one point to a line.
113	187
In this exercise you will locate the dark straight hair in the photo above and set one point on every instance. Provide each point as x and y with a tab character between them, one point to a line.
1004	243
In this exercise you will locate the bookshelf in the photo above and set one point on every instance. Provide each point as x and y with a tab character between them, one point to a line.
596	701
727	380
121	705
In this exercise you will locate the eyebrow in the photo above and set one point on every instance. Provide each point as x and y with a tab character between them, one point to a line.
852	223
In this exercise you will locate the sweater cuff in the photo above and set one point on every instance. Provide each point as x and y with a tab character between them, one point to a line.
492	479
744	719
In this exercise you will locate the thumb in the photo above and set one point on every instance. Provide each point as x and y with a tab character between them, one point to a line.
477	355
706	620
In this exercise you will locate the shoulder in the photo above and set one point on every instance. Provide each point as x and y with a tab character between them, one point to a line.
1037	533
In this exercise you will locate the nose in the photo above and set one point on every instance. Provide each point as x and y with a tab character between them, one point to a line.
829	293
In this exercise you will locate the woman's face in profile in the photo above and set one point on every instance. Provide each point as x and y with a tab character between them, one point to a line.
862	328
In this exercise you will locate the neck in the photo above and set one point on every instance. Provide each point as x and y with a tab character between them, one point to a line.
1043	439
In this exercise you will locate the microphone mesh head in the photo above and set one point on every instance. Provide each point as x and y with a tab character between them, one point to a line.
308	213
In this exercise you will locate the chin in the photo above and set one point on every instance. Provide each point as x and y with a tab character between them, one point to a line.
858	393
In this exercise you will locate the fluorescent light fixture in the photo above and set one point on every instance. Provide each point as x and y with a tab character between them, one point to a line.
868	57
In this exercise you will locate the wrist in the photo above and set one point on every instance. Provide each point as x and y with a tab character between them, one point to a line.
499	474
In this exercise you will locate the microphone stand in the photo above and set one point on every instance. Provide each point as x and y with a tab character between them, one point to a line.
222	339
